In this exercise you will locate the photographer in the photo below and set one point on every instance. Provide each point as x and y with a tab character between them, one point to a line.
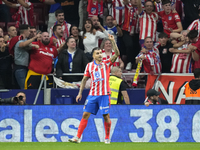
19	99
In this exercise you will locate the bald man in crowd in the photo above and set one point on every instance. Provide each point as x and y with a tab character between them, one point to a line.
12	32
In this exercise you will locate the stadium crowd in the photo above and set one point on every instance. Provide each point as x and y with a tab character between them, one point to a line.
163	34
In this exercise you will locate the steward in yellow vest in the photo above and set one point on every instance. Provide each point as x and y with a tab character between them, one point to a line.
192	89
118	87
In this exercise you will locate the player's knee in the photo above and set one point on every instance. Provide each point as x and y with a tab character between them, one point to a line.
106	117
86	115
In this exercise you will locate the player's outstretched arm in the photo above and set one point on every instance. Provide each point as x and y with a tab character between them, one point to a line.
115	48
83	82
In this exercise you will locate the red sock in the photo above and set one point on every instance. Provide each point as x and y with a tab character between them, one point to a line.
81	127
107	129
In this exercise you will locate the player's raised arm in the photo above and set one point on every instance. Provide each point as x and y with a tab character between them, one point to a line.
116	50
83	82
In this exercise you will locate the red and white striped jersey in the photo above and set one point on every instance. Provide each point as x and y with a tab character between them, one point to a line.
1	2
66	29
107	57
117	10
158	6
182	62
127	18
152	59
148	25
59	41
195	25
99	74
134	21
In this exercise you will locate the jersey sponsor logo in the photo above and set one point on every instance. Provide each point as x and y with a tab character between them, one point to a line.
46	53
177	17
51	49
93	10
119	8
170	17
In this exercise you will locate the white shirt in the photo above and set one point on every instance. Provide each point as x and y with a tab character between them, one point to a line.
90	40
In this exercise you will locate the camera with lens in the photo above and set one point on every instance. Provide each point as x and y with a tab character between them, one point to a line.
12	100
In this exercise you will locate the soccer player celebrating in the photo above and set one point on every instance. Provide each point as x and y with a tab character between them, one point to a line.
98	98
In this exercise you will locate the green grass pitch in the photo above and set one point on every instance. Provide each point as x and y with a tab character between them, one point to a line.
99	146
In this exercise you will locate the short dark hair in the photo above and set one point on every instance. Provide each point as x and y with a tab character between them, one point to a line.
94	49
109	16
32	27
148	1
162	35
192	34
166	2
23	27
55	27
59	11
197	72
70	29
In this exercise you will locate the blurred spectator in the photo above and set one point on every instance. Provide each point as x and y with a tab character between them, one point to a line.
191	8
58	35
57	39
194	47
60	20
118	87
128	46
195	25
91	36
1	32
108	52
148	21
74	32
116	8
33	32
182	57
5	66
40	61
95	21
21	98
164	50
192	89
52	18
170	20
24	13
70	8
21	55
4	11
150	56
71	60
12	32
112	27
83	15
153	98
95	8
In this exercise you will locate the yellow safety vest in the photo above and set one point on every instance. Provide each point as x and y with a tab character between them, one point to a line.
114	87
190	94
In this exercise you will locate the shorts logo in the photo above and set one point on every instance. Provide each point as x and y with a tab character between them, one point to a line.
86	102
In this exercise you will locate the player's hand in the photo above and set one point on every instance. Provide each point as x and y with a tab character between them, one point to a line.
111	37
144	50
98	24
171	30
78	97
142	57
36	46
38	35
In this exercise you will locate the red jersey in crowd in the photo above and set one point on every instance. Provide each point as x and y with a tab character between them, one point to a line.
95	8
13	42
152	59
117	10
182	62
99	74
41	59
126	23
107	57
148	25
195	25
59	41
158	6
134	21
169	21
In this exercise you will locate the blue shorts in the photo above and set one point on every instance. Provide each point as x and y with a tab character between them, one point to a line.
94	103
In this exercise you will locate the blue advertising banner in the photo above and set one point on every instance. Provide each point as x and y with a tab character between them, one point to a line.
130	123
